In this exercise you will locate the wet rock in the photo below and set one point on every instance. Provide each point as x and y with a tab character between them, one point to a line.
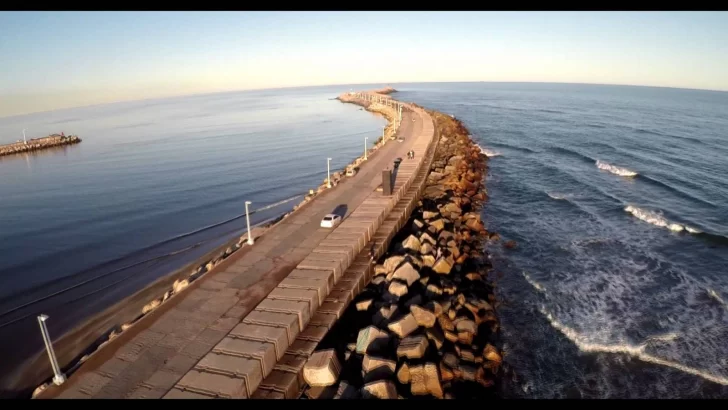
364	304
510	244
366	337
412	243
404	326
381	389
371	363
322	369
494	237
412	347
424	317
490	353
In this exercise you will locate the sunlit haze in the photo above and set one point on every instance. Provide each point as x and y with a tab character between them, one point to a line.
55	60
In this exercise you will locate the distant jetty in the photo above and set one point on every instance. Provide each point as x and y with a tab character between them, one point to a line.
37	144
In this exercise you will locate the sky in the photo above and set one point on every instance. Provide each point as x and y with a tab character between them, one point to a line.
53	60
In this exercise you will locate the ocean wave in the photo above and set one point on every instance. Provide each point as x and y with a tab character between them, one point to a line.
637	351
624	172
533	283
488	152
657	219
715	296
558	196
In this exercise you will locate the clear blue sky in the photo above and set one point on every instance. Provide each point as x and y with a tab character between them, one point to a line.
59	59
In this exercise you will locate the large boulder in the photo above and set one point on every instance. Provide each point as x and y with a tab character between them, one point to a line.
406	273
392	262
412	243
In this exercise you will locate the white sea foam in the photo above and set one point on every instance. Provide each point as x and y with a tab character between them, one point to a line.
624	172
638	352
557	196
713	294
533	283
657	219
489	153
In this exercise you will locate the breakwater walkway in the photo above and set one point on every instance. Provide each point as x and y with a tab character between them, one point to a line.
37	144
246	328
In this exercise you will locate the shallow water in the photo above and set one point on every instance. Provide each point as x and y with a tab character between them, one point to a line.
618	199
154	185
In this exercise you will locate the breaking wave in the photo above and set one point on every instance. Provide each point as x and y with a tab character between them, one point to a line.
624	172
715	296
488	152
657	219
558	196
637	351
533	283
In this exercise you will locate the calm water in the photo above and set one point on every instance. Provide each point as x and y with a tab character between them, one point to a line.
154	185
619	284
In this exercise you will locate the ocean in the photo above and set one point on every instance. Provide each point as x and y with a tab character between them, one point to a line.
617	197
154	185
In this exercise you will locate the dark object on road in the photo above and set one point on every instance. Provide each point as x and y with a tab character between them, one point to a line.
397	162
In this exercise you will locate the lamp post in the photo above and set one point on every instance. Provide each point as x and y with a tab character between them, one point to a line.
247	220
365	148
24	140
328	171
58	377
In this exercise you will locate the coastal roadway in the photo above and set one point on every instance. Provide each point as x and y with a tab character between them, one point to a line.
151	357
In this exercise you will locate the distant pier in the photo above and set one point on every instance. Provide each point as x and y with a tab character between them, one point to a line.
37	144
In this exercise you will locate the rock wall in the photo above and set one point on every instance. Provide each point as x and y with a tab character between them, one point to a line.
426	324
38	144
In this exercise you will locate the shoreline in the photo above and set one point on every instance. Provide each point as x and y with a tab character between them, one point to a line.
429	297
160	295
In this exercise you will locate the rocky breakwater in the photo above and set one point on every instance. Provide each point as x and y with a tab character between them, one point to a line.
36	144
426	325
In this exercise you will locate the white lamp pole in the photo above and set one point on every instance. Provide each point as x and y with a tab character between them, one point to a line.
24	140
58	377
365	148
328	171
247	220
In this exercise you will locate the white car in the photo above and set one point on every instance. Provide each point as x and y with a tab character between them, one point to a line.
330	221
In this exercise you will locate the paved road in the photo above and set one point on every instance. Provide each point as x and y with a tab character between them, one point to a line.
148	359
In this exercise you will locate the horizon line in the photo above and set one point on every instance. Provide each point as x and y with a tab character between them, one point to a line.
349	84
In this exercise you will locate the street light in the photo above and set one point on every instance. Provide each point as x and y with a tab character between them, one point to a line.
58	377
365	148
247	220
328	171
